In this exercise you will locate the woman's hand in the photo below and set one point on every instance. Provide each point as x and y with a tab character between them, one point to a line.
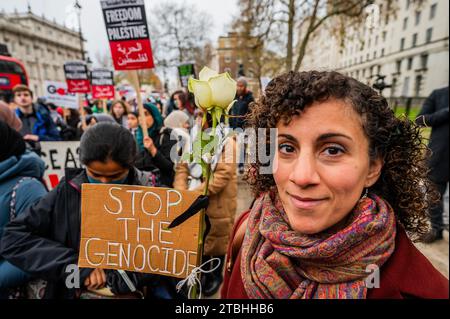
96	280
150	146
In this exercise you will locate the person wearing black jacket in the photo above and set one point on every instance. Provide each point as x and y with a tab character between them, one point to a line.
434	114
44	240
155	150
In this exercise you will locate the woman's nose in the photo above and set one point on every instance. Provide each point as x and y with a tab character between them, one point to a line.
305	172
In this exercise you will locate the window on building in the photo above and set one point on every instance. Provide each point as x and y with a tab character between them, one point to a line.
227	59
417	20
375	54
418	86
433	11
398	65
405	90
414	40
371	70
382	52
394	85
379	69
368	57
405	23
376	40
410	63
408	3
386	20
424	61
429	35
383	36
402	44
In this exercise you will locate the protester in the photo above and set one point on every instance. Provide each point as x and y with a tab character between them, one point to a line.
178	121
222	193
44	239
434	114
119	113
348	184
99	106
21	173
241	107
154	150
171	105
37	124
133	122
9	117
238	113
182	102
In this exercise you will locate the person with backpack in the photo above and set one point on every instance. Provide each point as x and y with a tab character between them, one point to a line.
155	150
45	239
21	173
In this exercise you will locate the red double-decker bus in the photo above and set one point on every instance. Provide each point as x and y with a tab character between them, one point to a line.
12	72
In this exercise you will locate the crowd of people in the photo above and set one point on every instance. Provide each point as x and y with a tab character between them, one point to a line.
131	158
349	191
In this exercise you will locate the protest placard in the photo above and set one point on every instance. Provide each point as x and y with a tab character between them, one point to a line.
126	27
77	79
57	157
185	71
56	93
125	227
102	81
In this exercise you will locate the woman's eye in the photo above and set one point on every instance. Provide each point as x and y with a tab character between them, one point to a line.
334	151
286	148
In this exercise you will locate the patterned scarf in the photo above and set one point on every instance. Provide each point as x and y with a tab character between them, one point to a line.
280	263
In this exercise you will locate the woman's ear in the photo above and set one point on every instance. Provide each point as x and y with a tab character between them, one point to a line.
375	168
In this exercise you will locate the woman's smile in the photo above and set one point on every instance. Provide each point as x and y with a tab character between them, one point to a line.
306	203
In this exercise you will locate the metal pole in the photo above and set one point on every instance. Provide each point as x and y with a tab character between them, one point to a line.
78	7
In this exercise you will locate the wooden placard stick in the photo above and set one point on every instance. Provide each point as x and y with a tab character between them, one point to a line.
134	81
105	108
82	112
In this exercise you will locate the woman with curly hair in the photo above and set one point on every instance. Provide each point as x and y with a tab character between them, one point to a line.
348	185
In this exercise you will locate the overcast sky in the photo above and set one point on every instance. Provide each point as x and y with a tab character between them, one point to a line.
92	23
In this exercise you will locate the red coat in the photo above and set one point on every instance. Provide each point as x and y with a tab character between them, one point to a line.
407	273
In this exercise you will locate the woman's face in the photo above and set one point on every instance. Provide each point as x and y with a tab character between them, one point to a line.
106	172
149	119
178	102
118	110
132	121
322	166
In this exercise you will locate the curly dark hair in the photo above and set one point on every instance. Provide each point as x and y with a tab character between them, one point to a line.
404	179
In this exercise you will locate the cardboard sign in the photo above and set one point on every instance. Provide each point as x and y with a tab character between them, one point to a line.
124	227
57	93
57	157
185	71
102	81
126	26
77	77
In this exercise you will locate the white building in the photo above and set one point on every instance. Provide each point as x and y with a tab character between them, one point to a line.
42	45
410	46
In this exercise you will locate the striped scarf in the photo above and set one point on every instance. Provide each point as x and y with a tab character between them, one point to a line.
280	263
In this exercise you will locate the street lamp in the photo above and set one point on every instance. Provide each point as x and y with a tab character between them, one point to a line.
78	7
379	84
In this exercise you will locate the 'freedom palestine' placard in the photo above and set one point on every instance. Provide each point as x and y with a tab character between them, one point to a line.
126	27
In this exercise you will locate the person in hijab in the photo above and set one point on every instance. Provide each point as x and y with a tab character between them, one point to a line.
155	150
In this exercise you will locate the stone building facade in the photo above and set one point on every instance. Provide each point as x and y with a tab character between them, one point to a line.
42	45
